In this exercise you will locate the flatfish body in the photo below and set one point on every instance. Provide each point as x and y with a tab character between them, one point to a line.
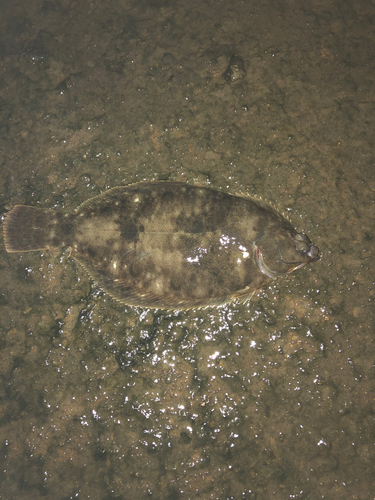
168	245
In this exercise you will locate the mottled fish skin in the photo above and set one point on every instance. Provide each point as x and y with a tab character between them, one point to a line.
168	245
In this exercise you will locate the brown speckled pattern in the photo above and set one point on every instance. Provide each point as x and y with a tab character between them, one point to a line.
167	245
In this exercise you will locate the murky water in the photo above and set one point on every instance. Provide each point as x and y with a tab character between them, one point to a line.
270	399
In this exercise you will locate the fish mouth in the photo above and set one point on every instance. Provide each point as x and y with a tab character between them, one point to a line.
312	255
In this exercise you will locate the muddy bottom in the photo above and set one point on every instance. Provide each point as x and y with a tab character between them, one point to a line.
270	399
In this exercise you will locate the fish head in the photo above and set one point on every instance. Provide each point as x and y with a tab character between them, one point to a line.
283	252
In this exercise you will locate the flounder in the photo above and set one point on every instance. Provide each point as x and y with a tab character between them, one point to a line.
168	245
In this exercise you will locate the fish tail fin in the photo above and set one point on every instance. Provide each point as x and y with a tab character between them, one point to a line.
28	228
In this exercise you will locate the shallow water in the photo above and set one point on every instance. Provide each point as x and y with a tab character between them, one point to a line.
270	399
